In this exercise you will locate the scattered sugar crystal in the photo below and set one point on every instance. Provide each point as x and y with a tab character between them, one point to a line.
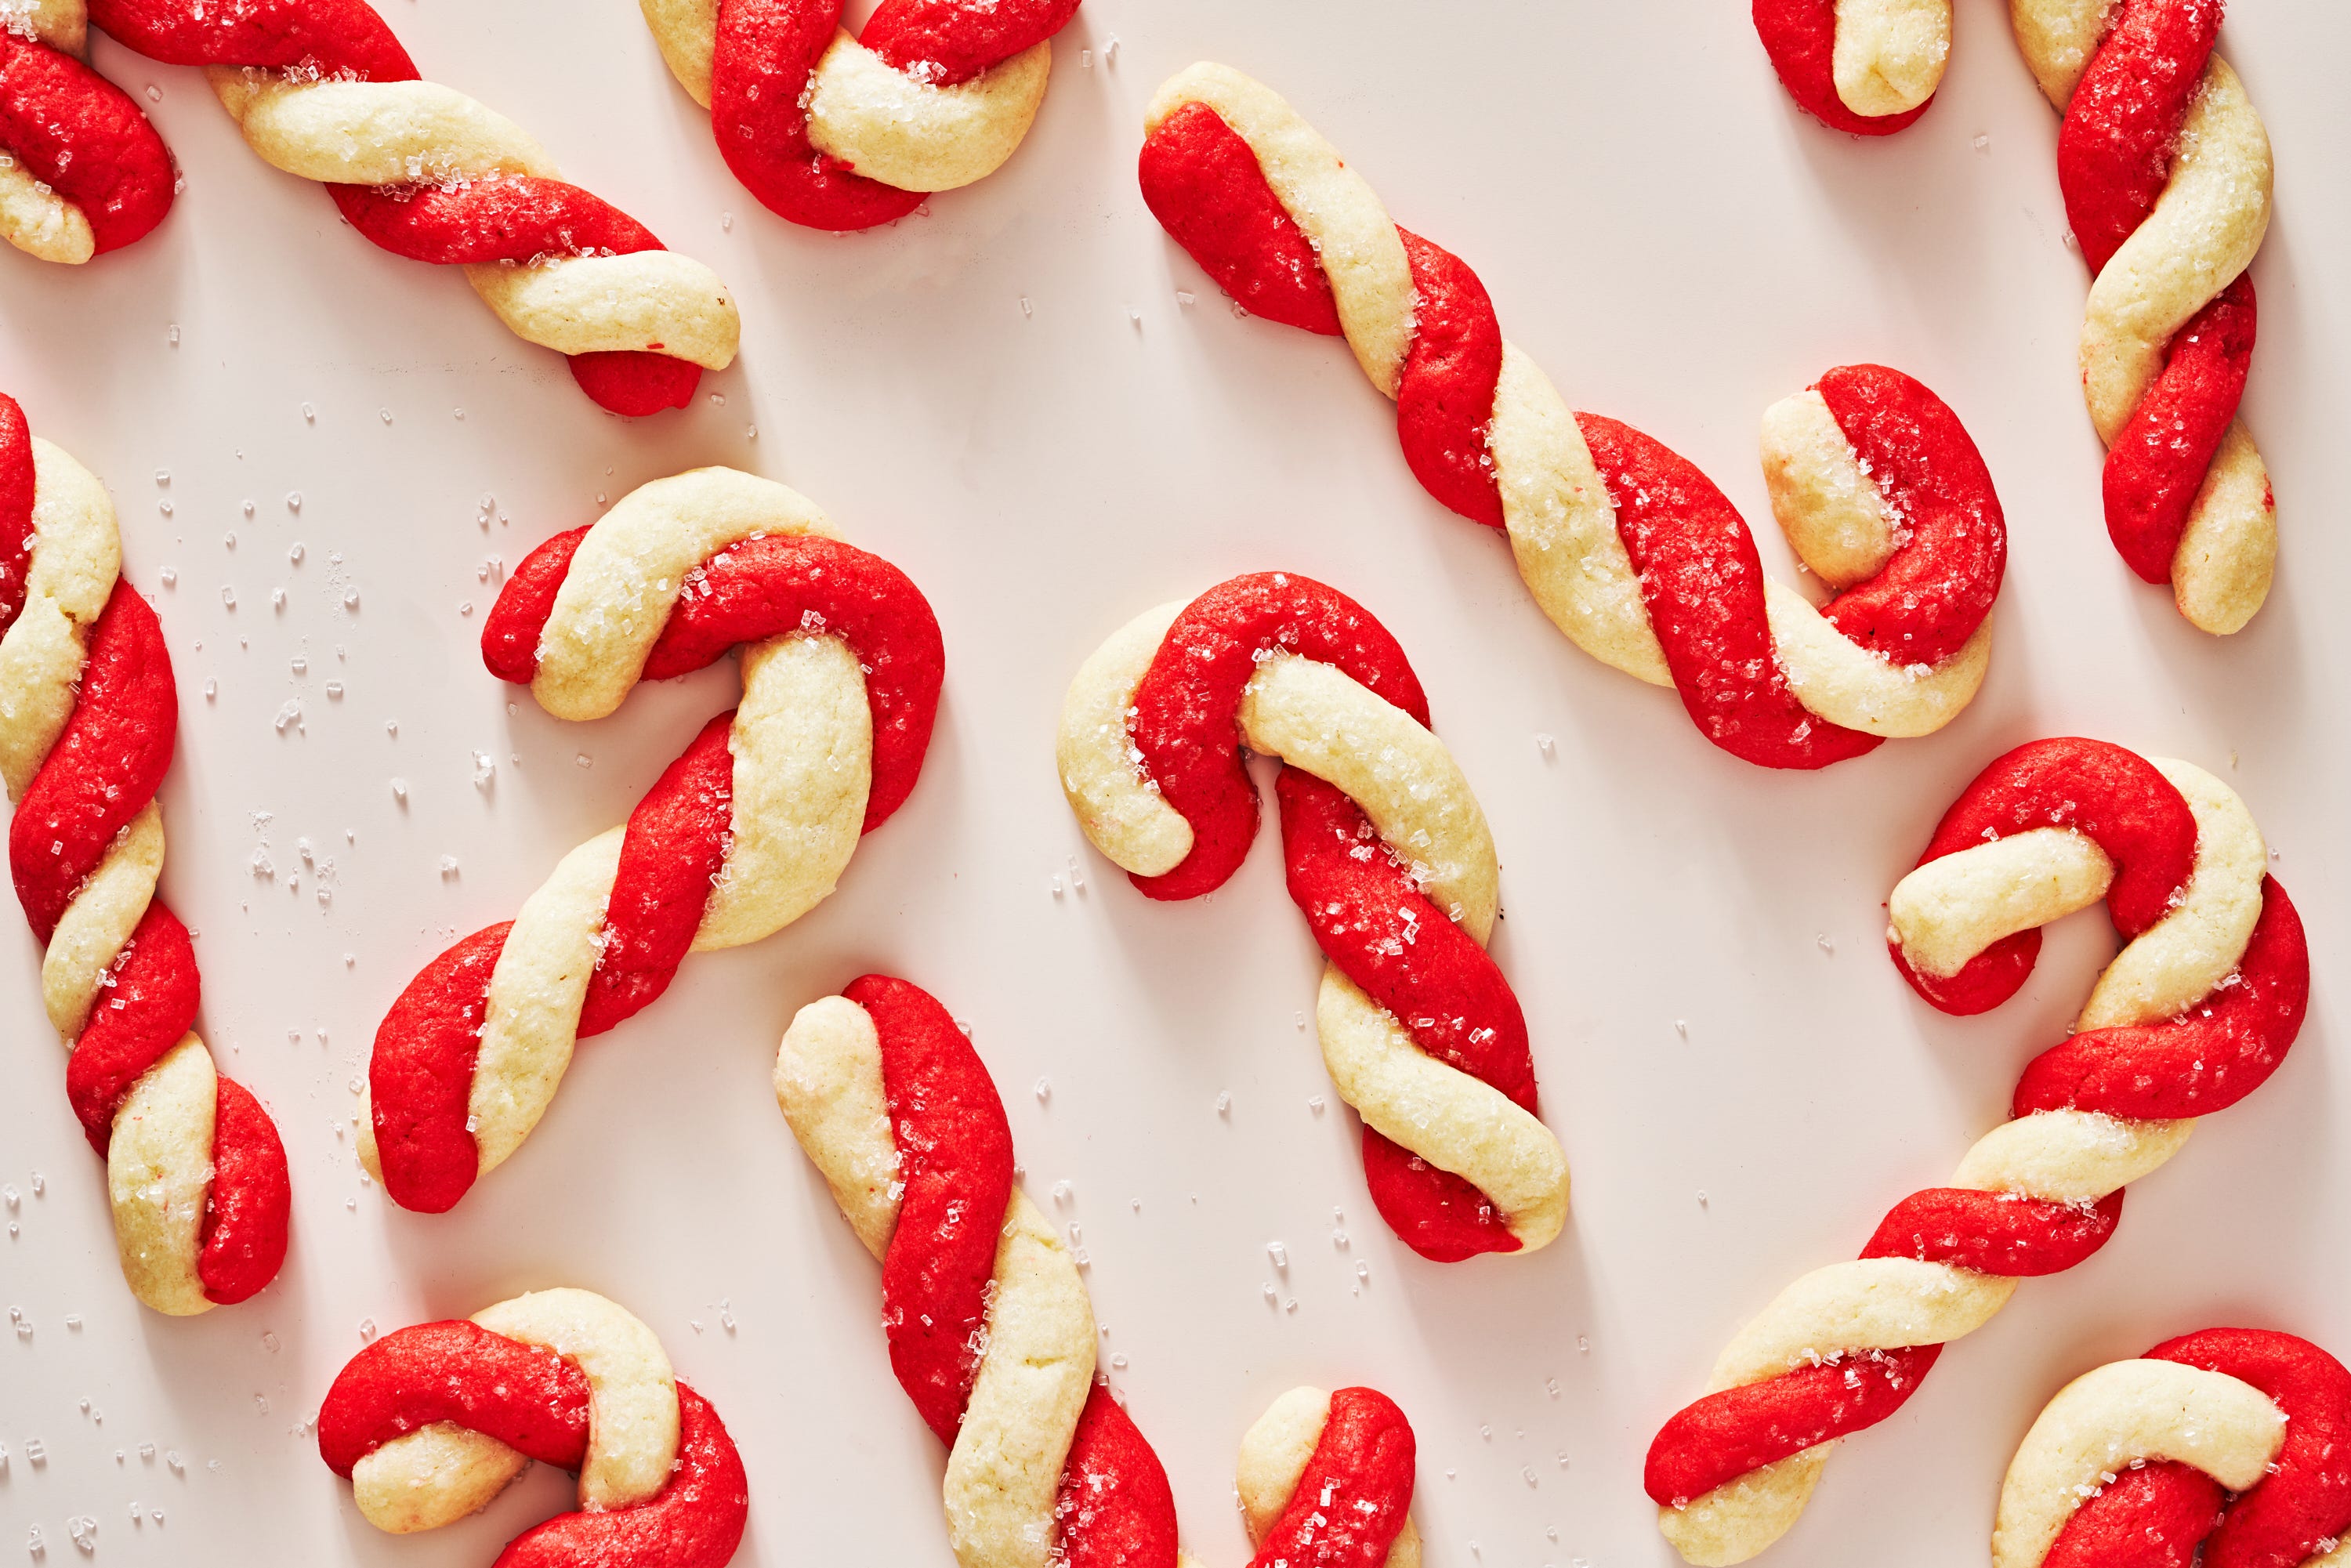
228	596
400	789
448	867
1224	1103
1044	1091
1279	1253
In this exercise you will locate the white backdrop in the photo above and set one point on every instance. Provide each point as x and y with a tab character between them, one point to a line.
1660	229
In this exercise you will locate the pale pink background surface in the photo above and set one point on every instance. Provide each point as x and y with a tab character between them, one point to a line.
1679	247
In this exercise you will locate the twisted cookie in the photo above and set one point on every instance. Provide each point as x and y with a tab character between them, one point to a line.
2166	171
1629	550
747	830
323	91
82	172
841	132
2234	1440
1867	66
89	716
1325	1480
430	1423
990	1332
1389	859
2193	1015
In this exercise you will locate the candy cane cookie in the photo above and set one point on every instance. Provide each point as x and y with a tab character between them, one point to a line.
748	828
1325	1479
1631	552
2166	171
990	1332
321	89
1867	66
82	170
840	133
2194	1014
430	1423
1388	857
2234	1440
89	718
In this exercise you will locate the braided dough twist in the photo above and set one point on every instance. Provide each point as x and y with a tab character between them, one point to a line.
2236	1440
2195	1013
990	1332
431	1423
82	170
2167	175
321	89
841	132
1628	549
1389	859
747	830
1326	1479
89	718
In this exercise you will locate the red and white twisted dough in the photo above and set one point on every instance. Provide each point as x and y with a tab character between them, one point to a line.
1388	858
841	132
82	170
2194	1014
431	1422
992	1336
2166	171
2234	1440
89	718
1631	552
746	830
321	89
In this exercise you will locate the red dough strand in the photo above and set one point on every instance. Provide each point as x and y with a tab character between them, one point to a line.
954	1170
422	1069
1936	590
535	1402
483	219
1801	37
1701	579
1368	914
1702	584
2161	1513
83	137
767	50
103	771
